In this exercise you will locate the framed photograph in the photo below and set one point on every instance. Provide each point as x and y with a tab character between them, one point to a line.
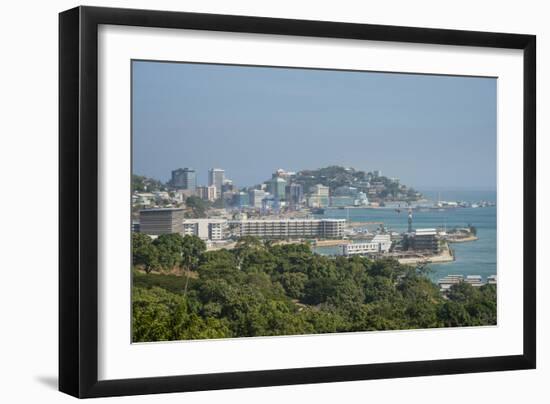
250	201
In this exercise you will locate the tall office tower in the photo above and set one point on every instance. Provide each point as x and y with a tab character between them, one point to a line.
255	197
184	178
216	177
277	188
294	194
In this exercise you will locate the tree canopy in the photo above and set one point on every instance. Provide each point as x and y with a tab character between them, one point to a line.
260	289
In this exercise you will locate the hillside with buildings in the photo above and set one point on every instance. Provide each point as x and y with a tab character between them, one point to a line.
343	181
223	261
284	191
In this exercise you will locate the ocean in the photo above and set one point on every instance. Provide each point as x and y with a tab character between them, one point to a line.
471	258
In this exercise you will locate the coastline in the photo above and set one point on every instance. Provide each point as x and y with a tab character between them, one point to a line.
463	240
446	255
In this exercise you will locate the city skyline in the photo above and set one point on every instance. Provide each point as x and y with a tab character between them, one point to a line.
250	121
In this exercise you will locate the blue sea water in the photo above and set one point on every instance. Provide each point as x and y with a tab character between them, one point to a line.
472	258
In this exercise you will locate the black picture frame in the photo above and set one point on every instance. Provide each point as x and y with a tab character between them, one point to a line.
78	201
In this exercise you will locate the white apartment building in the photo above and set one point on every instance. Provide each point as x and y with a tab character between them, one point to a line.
206	229
216	177
207	193
290	228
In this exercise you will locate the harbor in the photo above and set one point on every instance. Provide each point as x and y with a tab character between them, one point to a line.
461	254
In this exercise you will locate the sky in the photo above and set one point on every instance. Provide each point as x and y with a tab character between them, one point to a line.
432	132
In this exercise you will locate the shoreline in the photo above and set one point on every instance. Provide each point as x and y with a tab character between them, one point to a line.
446	255
463	240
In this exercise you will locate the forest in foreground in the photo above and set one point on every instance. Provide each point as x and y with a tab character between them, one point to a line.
181	291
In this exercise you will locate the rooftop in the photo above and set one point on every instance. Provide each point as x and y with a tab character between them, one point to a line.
160	210
425	232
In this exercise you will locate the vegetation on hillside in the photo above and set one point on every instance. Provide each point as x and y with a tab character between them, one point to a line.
196	207
141	183
336	176
260	289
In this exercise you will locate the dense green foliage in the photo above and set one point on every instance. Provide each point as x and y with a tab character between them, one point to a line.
259	290
336	176
166	252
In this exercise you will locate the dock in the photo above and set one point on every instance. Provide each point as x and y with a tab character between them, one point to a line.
446	255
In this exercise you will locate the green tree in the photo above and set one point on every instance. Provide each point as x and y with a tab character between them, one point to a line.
454	314
144	252
192	248
294	284
270	289
169	247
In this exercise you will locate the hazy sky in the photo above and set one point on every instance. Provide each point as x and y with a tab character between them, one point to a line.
430	131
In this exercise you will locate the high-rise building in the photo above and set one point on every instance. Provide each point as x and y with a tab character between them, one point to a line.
240	199
277	187
184	178
207	193
255	197
294	194
161	221
216	177
228	186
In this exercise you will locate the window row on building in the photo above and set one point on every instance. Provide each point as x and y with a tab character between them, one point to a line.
381	243
290	228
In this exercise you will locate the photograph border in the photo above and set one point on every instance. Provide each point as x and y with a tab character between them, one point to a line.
78	200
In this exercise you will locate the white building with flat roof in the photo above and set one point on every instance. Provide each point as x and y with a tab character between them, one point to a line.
206	229
216	177
290	228
381	243
384	240
361	248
